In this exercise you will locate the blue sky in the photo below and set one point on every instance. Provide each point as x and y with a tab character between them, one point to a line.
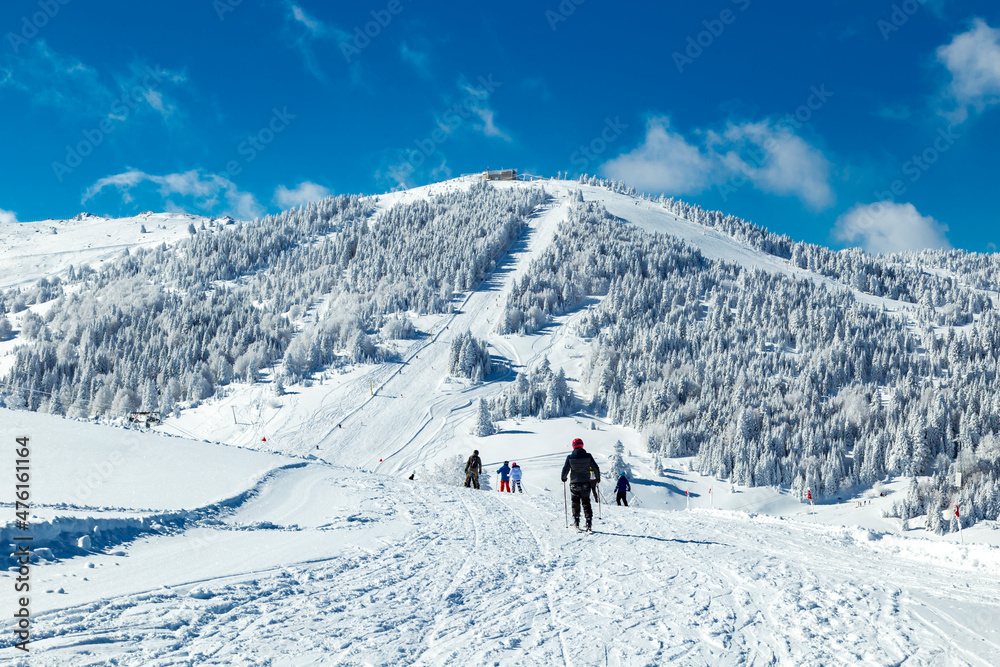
844	123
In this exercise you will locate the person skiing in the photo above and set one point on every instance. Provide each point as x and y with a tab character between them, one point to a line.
583	474
504	473
515	477
473	468
623	487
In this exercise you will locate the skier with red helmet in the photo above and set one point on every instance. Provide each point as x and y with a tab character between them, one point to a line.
582	471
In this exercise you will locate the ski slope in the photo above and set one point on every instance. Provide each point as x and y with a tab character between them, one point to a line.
322	564
34	250
257	529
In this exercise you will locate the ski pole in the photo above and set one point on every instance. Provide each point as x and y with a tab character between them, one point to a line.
565	505
598	487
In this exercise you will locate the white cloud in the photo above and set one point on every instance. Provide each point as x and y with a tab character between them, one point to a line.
772	158
7	217
209	193
314	26
665	161
304	193
488	127
65	82
304	30
885	227
782	162
478	102
53	80
973	59
417	59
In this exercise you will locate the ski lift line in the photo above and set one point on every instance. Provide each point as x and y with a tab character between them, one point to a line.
183	431
434	338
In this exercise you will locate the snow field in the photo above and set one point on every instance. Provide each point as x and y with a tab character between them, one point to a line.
47	248
346	567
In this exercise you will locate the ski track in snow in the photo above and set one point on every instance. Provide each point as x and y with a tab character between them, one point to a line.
484	578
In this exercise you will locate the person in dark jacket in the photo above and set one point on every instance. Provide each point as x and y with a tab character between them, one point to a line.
582	471
504	473
473	467
623	487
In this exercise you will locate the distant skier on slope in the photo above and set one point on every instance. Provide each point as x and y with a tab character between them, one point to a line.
623	487
583	474
515	477
504	473
473	468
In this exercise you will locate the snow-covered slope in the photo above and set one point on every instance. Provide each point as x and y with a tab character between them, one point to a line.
317	549
322	564
44	249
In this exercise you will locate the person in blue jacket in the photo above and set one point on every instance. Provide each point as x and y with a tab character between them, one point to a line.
504	473
622	488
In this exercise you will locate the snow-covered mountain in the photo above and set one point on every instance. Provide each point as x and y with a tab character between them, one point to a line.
308	364
48	248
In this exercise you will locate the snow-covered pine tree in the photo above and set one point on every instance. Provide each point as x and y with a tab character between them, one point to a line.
617	465
484	422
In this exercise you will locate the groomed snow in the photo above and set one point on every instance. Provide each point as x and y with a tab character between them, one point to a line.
329	565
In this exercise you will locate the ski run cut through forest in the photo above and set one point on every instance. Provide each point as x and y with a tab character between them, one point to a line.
245	442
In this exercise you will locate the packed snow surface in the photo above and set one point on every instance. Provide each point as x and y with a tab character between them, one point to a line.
330	565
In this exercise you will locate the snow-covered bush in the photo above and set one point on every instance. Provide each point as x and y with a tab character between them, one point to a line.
397	328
